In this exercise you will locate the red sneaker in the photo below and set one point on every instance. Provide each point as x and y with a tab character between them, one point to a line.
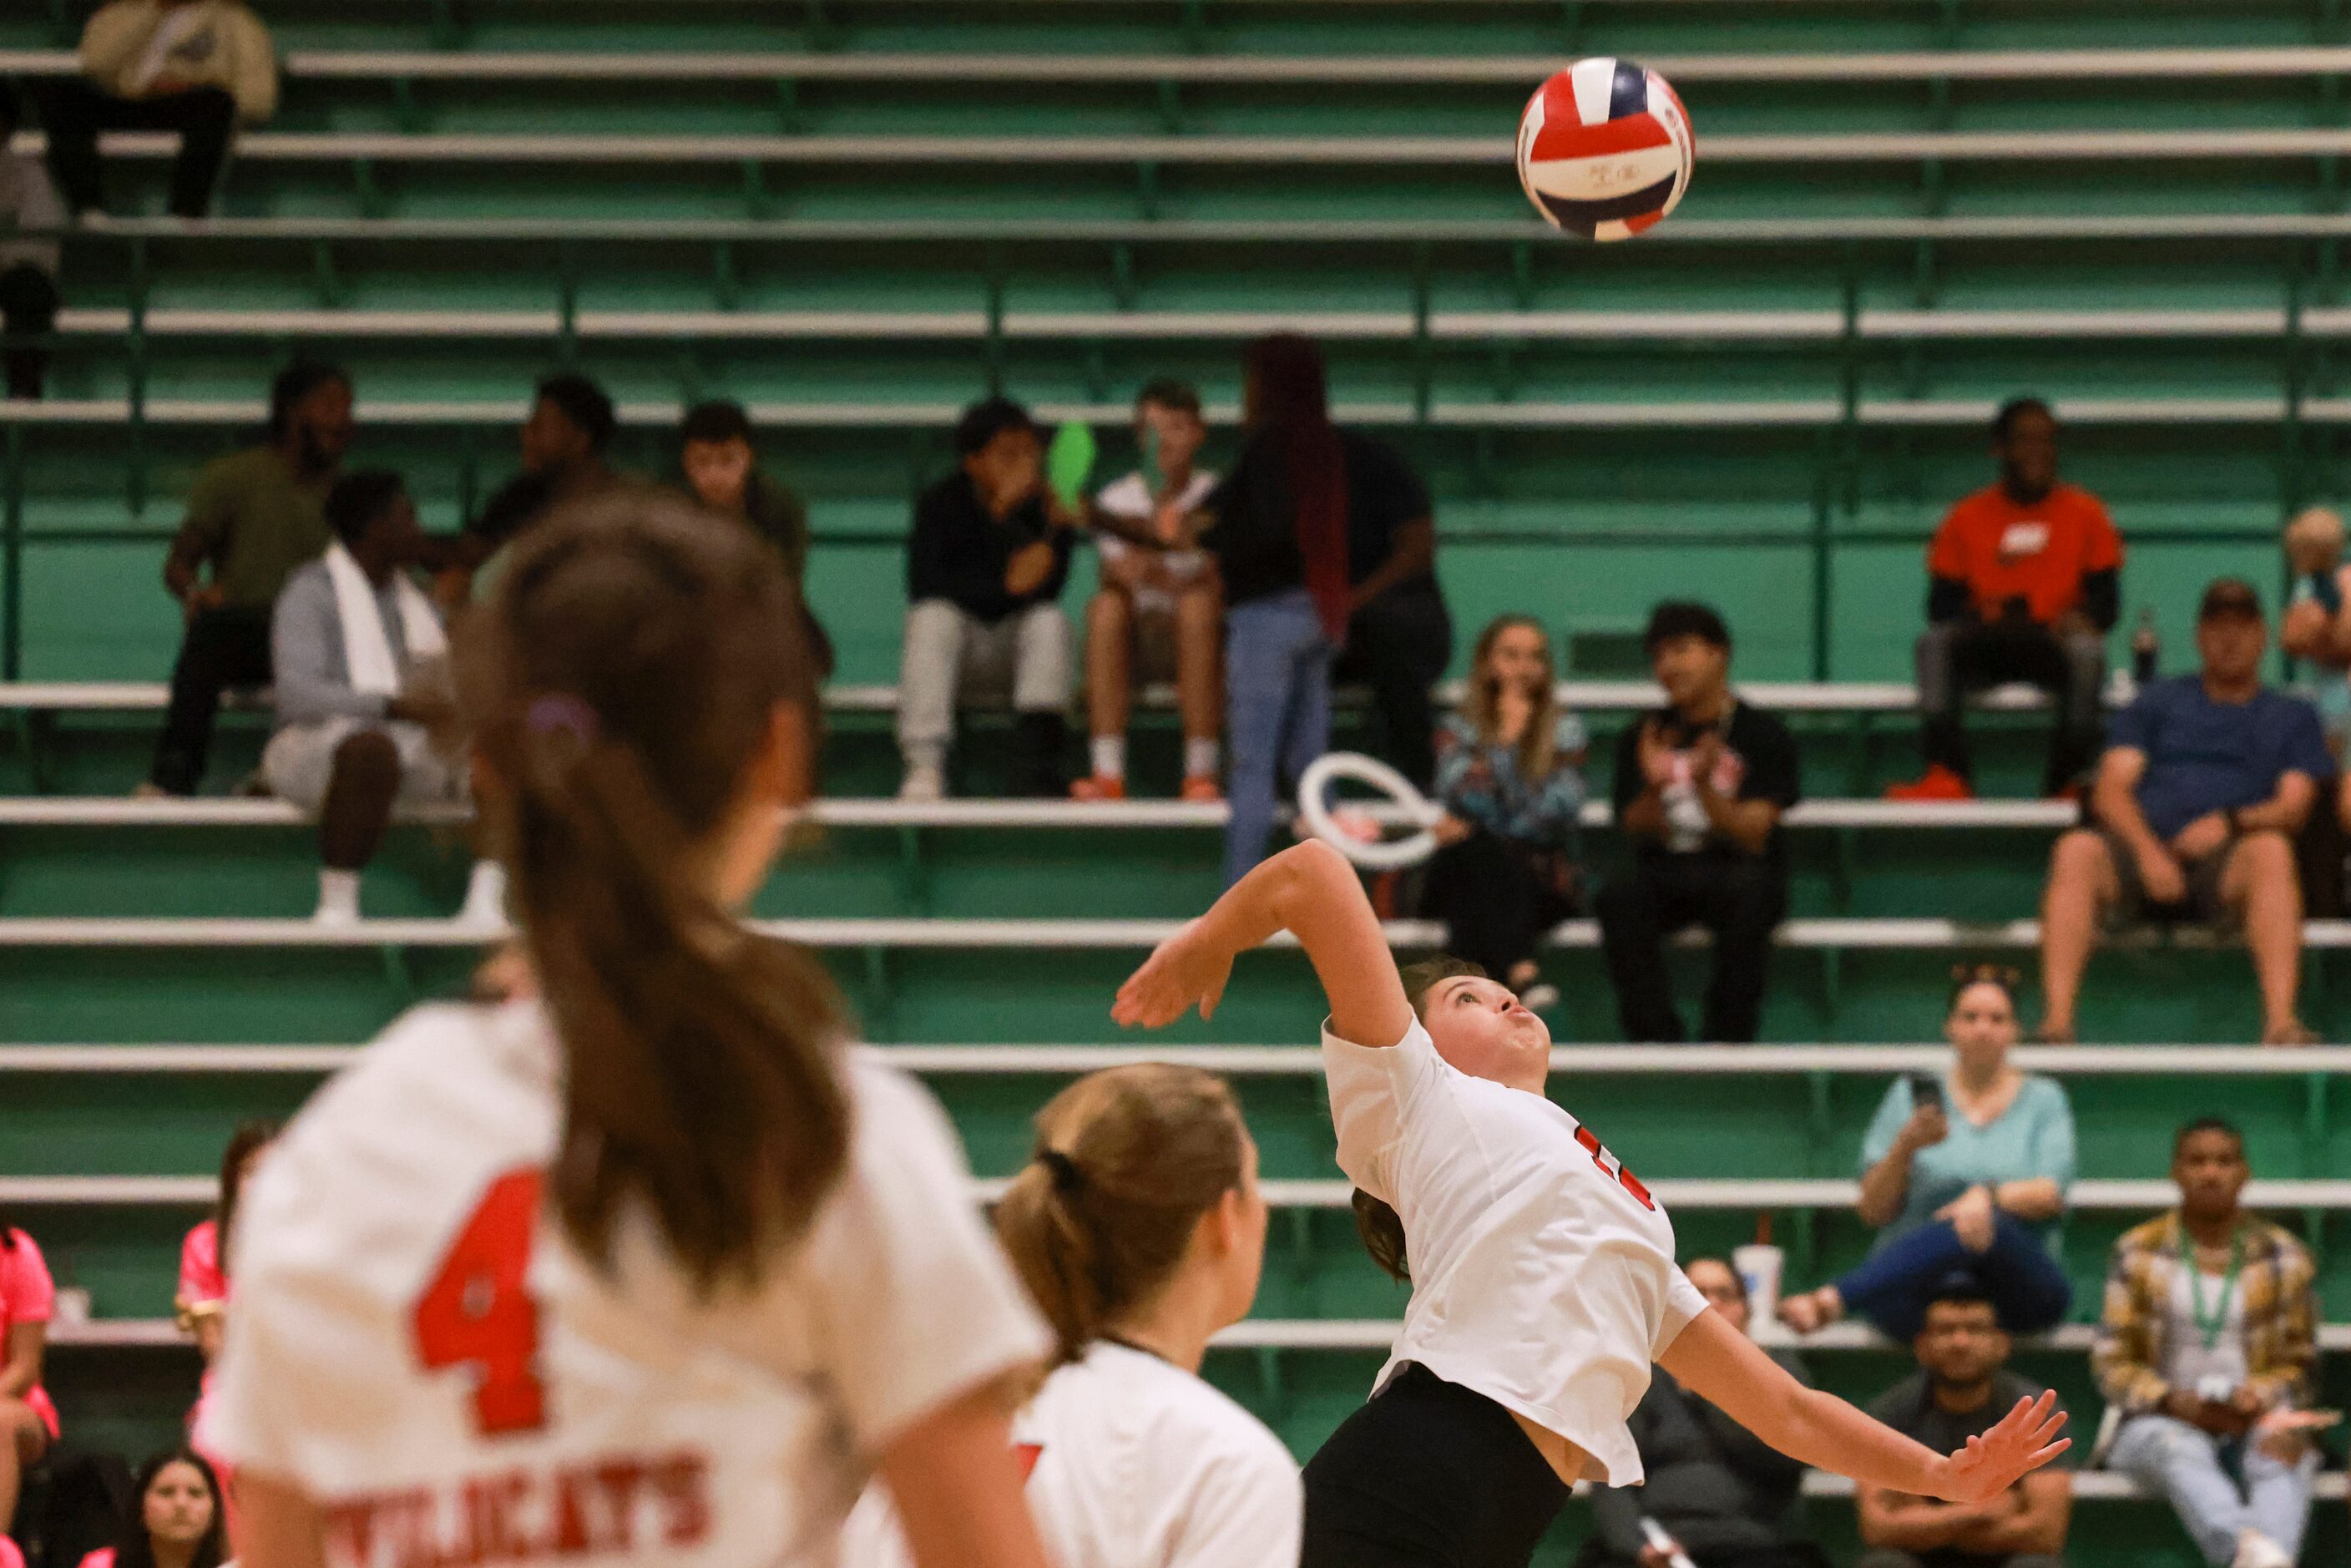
1200	788
1940	783
1098	787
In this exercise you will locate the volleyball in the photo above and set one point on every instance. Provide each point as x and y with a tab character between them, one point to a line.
1604	149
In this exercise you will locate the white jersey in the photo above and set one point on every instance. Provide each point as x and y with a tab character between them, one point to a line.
417	1345
1131	498
1542	1270
1134	1463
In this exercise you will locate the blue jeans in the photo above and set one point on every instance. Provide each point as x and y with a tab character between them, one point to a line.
2186	1464
2025	1285
1277	712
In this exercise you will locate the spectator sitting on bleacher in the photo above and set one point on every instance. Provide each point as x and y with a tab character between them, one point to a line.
2316	628
199	68
1509	774
2206	780
28	264
180	1522
572	423
1969	1177
1961	1388
28	1421
253	518
201	1298
1158	615
358	695
720	459
986	562
1700	787
2207	1347
2024	581
1728	1499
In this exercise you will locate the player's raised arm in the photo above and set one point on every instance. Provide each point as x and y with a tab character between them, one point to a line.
1723	1367
1309	890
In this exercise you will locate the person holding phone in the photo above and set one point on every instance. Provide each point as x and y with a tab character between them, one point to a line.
1964	1173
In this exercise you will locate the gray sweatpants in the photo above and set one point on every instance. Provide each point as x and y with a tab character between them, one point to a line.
950	656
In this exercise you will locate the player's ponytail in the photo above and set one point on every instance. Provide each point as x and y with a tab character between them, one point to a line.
1127	1162
1379	1225
623	685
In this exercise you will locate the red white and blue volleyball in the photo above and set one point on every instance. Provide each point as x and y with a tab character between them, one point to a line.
1604	149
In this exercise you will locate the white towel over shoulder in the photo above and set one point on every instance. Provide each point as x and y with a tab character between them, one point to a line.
367	649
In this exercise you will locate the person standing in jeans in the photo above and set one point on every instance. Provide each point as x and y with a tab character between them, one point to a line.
195	67
253	518
2207	1347
1701	789
1278	525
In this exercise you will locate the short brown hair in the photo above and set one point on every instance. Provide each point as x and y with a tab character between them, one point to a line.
1127	1162
1180	397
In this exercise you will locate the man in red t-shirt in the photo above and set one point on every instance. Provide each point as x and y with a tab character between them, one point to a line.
2025	582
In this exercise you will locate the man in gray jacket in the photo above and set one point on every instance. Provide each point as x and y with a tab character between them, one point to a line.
360	686
29	261
1716	1493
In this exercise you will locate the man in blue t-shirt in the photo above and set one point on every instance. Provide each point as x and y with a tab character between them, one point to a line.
2205	781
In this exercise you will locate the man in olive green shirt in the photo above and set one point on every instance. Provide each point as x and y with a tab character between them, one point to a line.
253	518
721	464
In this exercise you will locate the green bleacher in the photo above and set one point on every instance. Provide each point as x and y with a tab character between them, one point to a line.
855	215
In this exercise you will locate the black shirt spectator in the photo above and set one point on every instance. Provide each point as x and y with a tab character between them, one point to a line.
28	263
572	423
1701	789
959	553
1398	636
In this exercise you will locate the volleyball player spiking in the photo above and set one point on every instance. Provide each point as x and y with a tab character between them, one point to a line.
1544	1279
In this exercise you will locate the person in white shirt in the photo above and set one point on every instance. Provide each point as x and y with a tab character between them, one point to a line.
1542	1270
1158	615
1138	1226
646	1271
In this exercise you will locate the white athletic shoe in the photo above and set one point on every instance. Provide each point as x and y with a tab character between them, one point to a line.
925	782
1539	998
2255	1550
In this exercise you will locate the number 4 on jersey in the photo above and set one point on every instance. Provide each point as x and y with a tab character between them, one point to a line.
479	1313
1615	1167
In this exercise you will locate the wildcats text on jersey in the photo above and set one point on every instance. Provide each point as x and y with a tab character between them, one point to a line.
612	1506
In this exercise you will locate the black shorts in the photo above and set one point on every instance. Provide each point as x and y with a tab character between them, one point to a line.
1428	1475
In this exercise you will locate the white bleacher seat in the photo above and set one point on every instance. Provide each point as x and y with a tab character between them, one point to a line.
1810	150
881	65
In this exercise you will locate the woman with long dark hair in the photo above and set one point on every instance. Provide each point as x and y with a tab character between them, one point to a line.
645	1268
181	1516
1542	1270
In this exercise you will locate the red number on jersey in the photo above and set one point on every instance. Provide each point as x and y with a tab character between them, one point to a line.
1605	1161
479	1312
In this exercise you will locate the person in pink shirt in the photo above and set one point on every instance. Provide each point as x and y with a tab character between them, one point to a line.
202	1298
28	1422
179	1522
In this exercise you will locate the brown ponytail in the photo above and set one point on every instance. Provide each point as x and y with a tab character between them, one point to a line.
1127	1162
619	684
1381	1229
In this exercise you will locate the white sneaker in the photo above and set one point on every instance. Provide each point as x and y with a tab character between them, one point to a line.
339	899
1539	998
925	782
2255	1550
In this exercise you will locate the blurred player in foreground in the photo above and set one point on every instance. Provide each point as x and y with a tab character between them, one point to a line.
1542	1270
648	1271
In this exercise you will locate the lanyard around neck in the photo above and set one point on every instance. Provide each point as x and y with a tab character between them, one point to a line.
2213	1322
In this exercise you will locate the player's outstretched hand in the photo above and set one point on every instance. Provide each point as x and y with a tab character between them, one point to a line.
2025	1439
1187	968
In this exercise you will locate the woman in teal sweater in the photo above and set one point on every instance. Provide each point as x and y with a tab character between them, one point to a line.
1973	1181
